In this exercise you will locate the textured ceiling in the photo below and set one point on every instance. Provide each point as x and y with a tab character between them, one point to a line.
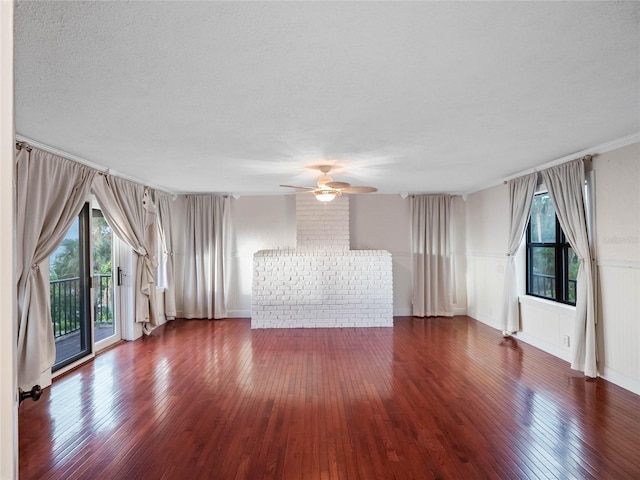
409	97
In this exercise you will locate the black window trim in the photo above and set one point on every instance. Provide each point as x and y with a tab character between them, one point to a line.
561	247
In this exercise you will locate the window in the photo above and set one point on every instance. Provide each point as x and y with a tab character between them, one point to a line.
552	265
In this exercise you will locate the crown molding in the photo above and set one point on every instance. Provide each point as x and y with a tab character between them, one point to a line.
593	151
88	163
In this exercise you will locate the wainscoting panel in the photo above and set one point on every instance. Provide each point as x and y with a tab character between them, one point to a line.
484	287
547	325
620	323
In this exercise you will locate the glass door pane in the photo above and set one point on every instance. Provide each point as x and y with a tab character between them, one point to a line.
69	294
105	324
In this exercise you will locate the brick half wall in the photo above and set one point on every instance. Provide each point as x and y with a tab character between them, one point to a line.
293	289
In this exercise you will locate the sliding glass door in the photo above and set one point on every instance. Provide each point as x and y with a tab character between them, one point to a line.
70	293
82	289
106	330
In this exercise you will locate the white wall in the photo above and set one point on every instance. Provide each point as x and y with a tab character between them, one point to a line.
617	231
459	218
258	223
382	222
8	383
378	222
617	212
487	214
344	286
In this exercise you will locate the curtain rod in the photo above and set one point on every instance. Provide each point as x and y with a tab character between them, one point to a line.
587	152
593	151
27	143
585	158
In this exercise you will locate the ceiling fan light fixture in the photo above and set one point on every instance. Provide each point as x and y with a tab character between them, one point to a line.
324	179
326	195
327	189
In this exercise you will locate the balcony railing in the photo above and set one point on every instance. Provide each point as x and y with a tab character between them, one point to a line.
545	286
103	297
65	303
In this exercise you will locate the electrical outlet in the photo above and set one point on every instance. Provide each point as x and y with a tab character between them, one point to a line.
565	340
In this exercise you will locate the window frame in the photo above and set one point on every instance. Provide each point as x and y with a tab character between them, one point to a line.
561	265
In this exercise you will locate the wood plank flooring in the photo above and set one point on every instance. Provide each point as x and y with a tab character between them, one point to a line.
427	399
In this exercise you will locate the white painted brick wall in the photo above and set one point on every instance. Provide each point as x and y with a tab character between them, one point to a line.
293	289
322	283
322	225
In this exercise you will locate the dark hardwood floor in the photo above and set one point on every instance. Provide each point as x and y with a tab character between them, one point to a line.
428	398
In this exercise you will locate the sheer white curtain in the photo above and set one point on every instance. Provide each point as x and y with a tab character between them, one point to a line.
431	255
50	191
521	192
565	184
165	217
206	250
131	214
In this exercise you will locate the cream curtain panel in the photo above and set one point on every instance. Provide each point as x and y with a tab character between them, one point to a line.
165	217
131	214
206	264
50	191
521	192
565	184
431	255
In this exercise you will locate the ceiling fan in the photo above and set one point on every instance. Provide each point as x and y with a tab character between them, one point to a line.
327	189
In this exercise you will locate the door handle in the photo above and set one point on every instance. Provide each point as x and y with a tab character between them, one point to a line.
35	393
119	279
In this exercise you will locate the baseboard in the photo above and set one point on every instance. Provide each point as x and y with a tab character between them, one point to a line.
623	381
406	312
399	312
528	339
544	346
489	322
610	375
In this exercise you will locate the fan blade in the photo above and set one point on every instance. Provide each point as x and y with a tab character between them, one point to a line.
298	187
359	190
338	185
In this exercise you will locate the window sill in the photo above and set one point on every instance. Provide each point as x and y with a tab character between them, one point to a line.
544	303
